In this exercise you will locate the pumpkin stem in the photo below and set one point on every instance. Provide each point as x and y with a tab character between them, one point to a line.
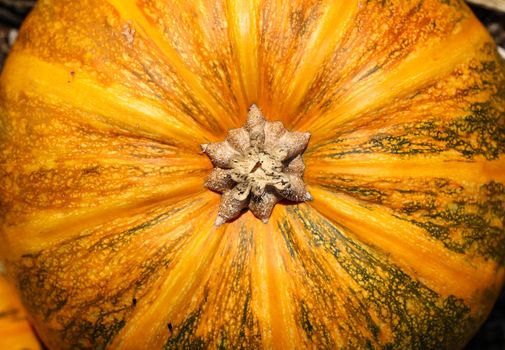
256	166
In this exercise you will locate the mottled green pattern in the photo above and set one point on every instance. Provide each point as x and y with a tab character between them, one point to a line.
386	291
59	286
105	131
418	123
465	222
235	326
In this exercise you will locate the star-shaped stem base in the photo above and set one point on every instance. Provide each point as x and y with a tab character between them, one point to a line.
256	166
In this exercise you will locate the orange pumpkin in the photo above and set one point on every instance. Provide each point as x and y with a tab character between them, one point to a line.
15	331
108	230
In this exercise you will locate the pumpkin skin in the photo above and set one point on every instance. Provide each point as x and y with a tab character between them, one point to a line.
15	330
108	232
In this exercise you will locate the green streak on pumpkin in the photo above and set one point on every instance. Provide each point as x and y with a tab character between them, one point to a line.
438	321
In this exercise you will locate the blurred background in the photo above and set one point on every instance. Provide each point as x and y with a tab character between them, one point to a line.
491	12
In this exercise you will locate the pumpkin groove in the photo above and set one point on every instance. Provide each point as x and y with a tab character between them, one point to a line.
107	230
463	223
411	249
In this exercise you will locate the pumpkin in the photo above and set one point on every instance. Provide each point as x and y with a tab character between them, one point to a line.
116	114
15	331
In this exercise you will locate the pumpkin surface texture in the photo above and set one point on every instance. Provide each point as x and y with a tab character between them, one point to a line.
15	331
107	228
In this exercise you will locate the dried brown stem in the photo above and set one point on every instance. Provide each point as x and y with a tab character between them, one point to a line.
492	4
257	166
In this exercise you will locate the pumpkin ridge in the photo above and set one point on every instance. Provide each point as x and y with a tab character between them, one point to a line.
238	326
215	71
374	91
131	12
464	222
476	133
431	111
321	43
281	308
390	35
181	281
284	30
242	21
49	233
368	164
106	105
405	243
65	307
142	68
389	326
